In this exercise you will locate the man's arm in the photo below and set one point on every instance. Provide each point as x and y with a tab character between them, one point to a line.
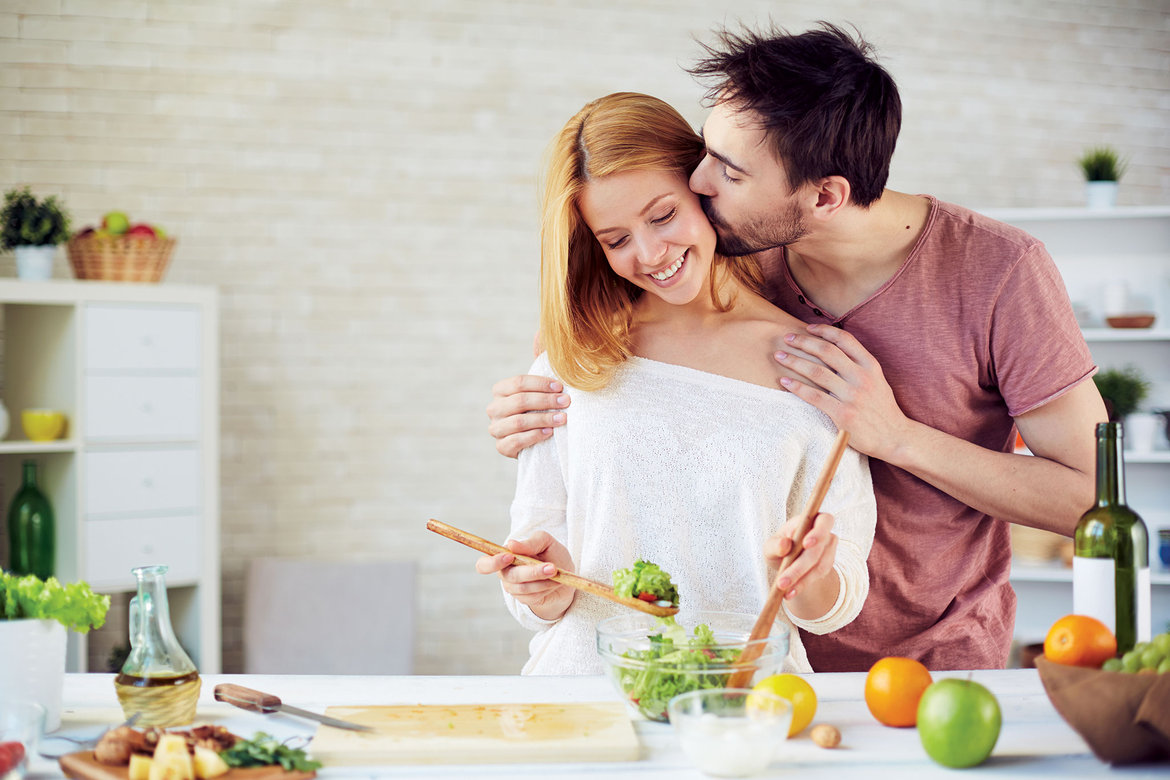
1049	489
519	411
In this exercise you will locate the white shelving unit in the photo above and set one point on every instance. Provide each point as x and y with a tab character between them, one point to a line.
135	367
1092	248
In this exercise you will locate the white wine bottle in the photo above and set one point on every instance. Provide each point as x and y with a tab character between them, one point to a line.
1111	561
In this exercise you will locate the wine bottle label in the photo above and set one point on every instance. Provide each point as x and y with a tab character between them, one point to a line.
1093	589
1144	618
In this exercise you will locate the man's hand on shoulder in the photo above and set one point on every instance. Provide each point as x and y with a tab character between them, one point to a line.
855	392
519	411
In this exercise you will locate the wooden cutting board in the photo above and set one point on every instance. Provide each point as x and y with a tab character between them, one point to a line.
479	734
83	766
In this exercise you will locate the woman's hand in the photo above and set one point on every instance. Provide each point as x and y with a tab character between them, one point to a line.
528	583
811	582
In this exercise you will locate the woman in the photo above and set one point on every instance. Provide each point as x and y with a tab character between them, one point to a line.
683	450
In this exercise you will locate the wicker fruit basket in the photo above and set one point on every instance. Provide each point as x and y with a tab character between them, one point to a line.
120	258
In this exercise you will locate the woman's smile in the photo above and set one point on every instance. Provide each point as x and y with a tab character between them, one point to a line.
666	274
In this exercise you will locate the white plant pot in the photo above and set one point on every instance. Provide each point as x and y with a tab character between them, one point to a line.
34	263
33	665
1100	194
1141	431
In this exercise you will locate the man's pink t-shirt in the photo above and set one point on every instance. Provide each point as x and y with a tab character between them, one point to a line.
974	329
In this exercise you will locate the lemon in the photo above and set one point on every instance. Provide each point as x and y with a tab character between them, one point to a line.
796	690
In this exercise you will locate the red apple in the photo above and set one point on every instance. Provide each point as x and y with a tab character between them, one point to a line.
85	231
141	230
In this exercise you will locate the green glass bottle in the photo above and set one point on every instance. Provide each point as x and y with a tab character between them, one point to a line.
31	529
1111	563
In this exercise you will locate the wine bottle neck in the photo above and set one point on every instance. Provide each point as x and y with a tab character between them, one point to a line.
1110	466
30	473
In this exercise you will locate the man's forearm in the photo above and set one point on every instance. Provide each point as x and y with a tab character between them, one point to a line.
1025	489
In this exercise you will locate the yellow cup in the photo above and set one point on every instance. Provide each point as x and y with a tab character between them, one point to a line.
43	424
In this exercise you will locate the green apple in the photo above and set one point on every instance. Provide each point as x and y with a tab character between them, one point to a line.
958	722
116	223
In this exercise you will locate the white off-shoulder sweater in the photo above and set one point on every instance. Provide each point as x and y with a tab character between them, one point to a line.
692	471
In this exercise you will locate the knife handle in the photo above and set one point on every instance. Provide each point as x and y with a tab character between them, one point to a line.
246	698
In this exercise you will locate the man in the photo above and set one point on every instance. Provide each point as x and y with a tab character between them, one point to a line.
940	333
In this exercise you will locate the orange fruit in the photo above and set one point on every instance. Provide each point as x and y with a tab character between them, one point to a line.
892	690
1079	640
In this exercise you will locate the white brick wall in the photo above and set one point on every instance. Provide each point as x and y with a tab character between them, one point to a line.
358	179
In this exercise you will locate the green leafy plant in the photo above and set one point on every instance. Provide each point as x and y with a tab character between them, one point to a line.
1102	163
25	221
1123	390
74	606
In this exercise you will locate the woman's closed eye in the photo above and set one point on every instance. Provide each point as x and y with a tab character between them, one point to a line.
662	220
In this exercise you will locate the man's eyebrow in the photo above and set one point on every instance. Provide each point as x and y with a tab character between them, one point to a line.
720	157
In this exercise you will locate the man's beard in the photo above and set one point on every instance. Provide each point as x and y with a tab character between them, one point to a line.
787	228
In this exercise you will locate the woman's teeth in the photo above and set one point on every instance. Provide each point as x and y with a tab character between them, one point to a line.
666	273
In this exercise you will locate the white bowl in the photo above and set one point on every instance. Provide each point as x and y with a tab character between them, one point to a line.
730	732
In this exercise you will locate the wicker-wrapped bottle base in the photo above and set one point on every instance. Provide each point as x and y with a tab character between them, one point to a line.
120	258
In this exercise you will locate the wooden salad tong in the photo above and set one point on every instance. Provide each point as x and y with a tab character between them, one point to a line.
763	627
563	577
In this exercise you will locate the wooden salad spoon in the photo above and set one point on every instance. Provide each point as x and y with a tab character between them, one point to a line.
763	627
565	578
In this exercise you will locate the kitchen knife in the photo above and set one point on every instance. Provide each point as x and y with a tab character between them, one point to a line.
256	701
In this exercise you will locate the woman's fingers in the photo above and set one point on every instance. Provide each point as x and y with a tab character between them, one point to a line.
819	551
490	564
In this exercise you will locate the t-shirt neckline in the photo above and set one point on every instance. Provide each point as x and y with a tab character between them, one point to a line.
915	251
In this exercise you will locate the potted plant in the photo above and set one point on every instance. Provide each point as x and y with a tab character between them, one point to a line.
1102	167
1123	390
32	229
34	614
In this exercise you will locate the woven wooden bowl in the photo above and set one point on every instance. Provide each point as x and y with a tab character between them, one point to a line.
1124	718
120	258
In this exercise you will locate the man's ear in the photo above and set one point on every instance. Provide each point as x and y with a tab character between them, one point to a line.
832	194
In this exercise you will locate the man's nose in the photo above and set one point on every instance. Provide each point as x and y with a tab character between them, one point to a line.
699	179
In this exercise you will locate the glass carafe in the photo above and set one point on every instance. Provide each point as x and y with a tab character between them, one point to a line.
158	680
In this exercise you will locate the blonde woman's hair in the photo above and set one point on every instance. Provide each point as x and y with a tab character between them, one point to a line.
585	308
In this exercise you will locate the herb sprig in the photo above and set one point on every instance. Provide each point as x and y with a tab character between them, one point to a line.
265	750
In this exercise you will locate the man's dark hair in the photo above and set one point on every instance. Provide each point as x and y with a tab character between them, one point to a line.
827	107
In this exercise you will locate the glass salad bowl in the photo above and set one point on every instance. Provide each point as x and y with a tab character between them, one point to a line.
651	661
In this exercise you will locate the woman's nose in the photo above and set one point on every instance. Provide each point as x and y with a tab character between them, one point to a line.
651	249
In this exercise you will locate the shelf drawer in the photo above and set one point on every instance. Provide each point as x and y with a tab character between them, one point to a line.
141	338
157	407
141	481
114	547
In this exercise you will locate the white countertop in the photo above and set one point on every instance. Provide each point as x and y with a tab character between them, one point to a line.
1034	741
